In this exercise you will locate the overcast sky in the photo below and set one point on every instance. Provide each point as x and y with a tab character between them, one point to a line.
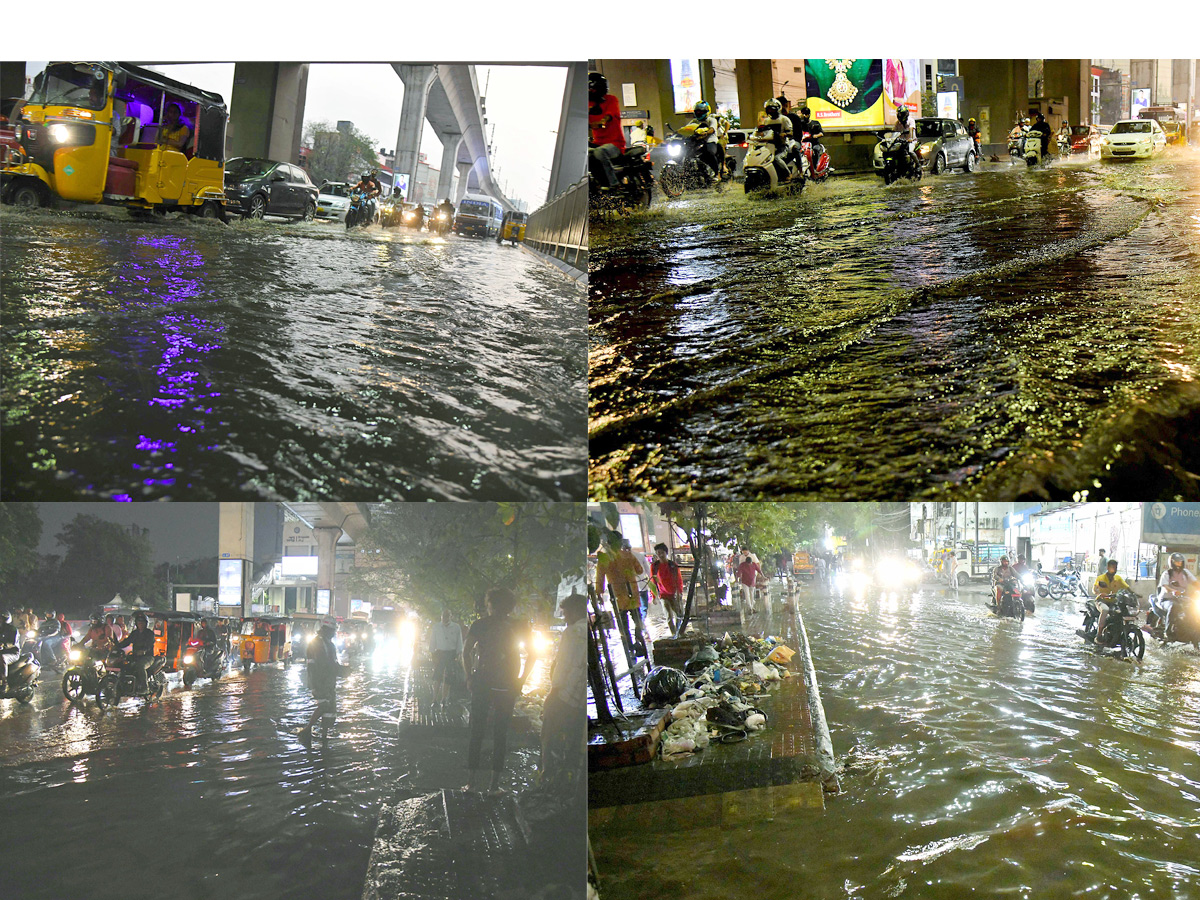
523	103
180	532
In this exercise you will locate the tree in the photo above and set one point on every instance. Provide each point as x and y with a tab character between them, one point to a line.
20	533
449	554
338	154
102	559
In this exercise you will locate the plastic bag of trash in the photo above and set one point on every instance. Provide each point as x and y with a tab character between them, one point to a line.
678	746
664	686
755	721
765	672
782	654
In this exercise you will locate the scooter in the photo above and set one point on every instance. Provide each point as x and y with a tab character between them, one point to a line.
1028	586
765	170
200	664
1016	141
1120	628
50	645
121	681
1031	148
1182	620
817	170
22	676
897	161
87	668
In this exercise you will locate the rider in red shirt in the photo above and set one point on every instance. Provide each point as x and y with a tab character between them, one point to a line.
606	138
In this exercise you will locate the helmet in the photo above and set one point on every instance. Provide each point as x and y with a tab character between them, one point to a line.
97	619
1004	559
1041	118
702	110
901	113
366	175
7	616
772	107
597	84
141	617
1177	558
970	121
329	624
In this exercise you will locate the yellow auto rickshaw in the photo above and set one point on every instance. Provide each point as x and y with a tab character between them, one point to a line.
89	134
172	631
266	639
512	228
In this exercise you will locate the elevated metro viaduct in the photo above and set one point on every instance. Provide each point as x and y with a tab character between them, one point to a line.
996	90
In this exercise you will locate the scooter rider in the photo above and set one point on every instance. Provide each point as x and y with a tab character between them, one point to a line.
208	640
1043	131
907	126
710	151
606	139
999	574
806	124
779	126
9	648
141	642
1176	578
1106	585
420	211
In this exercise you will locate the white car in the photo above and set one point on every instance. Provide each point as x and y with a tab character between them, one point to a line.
334	200
1133	139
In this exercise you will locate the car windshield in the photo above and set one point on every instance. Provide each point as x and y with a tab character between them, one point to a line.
1131	128
74	84
247	167
336	190
929	128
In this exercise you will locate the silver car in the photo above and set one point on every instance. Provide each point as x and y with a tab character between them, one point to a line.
333	201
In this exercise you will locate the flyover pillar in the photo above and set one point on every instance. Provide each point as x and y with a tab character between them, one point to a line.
417	80
12	81
755	86
996	92
327	538
464	174
1070	78
451	141
235	549
570	150
266	111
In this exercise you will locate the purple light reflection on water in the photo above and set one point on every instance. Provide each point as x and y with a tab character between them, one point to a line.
122	498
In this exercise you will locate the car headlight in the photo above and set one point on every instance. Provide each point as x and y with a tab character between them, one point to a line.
925	149
674	149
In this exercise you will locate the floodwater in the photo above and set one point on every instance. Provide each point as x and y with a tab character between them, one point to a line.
208	793
1011	332
192	360
983	757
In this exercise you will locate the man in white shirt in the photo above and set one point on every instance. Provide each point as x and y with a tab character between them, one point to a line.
1176	580
446	644
564	713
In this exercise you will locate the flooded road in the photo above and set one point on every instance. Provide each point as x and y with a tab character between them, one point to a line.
192	360
983	757
208	793
1008	333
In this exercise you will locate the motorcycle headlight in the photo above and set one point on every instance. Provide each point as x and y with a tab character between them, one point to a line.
31	633
75	656
189	659
674	149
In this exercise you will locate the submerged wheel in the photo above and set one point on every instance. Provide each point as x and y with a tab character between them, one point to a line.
1133	642
672	182
72	685
246	666
969	165
189	677
258	206
107	694
939	164
28	196
157	686
210	210
756	180
310	211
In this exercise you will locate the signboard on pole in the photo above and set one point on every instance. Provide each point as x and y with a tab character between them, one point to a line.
1141	100
685	83
1171	524
229	582
323	601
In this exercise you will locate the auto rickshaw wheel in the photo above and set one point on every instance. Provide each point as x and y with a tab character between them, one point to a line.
189	677
28	195
246	666
210	210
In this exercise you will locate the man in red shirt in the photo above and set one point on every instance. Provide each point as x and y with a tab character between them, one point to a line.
748	571
606	138
669	583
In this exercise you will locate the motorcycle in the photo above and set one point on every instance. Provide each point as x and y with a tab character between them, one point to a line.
199	663
1072	583
765	170
441	222
1011	604
22	678
683	168
816	170
1028	586
897	161
87	669
50	645
1182	621
635	183
361	211
121	681
1120	628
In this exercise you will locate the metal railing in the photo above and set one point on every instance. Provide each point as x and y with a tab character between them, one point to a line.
560	228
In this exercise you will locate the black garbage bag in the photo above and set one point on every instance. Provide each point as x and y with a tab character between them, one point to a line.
663	686
704	657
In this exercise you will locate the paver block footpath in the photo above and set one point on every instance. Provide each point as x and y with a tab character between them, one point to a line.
609	749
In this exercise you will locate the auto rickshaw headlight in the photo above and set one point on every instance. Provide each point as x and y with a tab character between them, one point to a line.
60	134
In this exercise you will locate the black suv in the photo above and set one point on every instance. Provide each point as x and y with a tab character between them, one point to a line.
266	187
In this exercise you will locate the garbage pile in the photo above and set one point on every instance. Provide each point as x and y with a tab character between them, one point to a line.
712	699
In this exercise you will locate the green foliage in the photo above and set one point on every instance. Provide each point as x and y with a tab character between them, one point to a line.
337	155
20	533
449	554
102	559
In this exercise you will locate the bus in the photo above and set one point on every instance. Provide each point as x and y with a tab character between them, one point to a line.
478	215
